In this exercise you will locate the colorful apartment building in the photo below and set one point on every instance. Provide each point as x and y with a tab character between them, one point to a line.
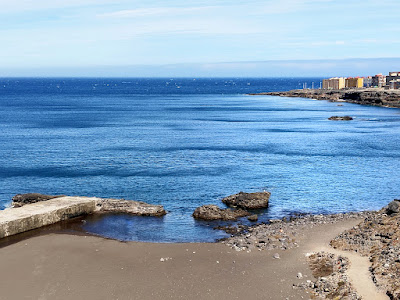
378	80
354	82
335	83
367	81
393	80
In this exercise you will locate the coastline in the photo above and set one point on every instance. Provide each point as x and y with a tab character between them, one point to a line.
62	266
69	266
370	96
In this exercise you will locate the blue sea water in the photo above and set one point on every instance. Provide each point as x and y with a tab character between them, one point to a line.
183	143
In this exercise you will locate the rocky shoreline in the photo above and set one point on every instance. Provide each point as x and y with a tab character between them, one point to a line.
377	237
281	233
370	96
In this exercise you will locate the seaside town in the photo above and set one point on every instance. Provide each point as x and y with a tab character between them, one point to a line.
378	90
390	82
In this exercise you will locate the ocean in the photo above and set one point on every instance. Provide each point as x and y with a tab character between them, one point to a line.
188	142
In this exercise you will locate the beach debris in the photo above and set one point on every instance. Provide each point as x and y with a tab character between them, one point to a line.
162	259
248	200
213	212
299	275
276	256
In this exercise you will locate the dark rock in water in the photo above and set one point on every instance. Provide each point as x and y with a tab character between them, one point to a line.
337	118
248	200
213	212
233	230
22	199
137	208
252	218
393	207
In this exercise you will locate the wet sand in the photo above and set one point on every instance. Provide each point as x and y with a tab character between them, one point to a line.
63	266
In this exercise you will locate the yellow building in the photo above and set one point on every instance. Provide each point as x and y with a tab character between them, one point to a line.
354	82
335	83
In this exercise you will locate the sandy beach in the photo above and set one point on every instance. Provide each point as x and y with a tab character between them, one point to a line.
64	266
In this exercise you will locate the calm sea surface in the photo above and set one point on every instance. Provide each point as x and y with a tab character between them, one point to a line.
183	143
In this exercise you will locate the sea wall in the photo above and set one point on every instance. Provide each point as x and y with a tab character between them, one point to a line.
19	219
36	215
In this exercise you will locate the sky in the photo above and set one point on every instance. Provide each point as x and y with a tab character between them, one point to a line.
205	38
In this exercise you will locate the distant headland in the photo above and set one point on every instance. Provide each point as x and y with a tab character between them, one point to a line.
378	90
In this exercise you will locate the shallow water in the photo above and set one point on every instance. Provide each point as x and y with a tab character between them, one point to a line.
183	143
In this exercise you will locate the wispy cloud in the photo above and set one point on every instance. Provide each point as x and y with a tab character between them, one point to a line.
153	11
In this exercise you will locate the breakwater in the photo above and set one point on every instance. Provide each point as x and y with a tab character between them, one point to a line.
46	212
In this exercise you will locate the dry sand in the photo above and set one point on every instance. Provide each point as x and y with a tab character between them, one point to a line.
62	266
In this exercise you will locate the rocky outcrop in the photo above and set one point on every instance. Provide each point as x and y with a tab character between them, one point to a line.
129	207
393	207
378	237
339	118
22	199
331	280
213	212
248	200
332	95
373	97
370	96
253	218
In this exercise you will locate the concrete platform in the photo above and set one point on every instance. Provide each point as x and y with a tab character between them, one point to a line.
36	215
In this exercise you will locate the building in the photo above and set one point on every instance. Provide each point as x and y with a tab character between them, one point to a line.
393	80
354	82
378	80
367	81
335	83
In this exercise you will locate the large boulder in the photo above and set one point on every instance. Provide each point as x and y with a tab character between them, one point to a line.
248	200
22	199
132	207
213	212
393	207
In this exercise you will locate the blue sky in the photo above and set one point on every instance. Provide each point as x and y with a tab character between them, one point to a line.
187	35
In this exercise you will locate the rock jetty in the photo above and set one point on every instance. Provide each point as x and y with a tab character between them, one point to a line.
248	200
32	211
370	96
213	212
